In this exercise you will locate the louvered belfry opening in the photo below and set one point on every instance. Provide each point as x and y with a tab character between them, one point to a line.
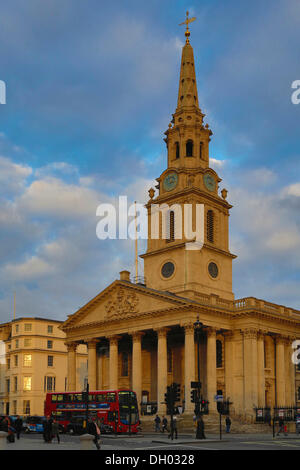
171	226
210	226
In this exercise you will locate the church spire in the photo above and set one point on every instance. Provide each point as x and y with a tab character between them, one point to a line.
187	93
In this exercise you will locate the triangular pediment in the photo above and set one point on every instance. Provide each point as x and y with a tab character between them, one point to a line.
123	300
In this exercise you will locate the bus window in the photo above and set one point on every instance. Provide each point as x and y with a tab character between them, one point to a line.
78	397
110	397
53	398
92	398
101	397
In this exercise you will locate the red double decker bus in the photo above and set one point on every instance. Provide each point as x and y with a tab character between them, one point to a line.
115	408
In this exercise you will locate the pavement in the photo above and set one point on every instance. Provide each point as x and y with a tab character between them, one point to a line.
154	442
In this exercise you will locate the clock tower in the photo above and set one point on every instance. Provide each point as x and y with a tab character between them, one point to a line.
187	184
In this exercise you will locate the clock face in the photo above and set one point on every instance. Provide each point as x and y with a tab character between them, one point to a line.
168	269
170	181
209	181
213	270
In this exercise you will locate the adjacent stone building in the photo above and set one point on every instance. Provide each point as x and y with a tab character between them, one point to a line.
33	361
141	334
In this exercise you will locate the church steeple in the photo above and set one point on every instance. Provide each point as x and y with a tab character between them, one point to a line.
187	138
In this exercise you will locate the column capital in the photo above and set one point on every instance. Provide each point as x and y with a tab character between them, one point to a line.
211	331
71	346
250	333
136	335
188	327
92	343
113	340
162	332
261	334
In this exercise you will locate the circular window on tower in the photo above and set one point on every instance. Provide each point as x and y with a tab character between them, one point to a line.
213	270
168	269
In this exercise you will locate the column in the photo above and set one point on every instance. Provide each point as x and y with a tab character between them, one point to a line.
250	372
100	371
189	365
92	364
211	367
137	365
71	379
261	369
228	364
113	362
293	400
280	375
162	372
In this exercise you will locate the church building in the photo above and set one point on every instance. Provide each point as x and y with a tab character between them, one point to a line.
141	335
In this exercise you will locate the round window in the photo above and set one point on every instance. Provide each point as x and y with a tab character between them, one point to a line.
168	269
213	270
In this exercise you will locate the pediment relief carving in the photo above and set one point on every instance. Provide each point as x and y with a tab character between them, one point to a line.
122	303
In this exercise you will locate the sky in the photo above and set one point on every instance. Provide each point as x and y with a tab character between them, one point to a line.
91	88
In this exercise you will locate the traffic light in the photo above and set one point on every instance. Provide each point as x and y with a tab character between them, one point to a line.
194	396
204	407
168	396
176	392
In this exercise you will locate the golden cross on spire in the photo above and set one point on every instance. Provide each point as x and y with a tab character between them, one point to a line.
187	22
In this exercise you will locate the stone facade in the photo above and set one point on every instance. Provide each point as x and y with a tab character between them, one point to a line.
141	335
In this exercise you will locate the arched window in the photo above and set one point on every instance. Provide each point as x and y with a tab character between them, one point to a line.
125	364
177	150
210	226
201	150
219	352
189	148
171	226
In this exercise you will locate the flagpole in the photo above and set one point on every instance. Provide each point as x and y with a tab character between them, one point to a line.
136	246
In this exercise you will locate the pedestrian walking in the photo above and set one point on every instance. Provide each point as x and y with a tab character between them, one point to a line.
47	433
228	424
157	422
282	427
18	424
94	430
55	430
9	429
164	424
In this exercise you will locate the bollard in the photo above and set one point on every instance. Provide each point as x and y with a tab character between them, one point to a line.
3	436
86	442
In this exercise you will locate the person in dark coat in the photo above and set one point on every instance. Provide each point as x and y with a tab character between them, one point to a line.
94	430
157	423
164	424
173	429
47	425
228	424
18	424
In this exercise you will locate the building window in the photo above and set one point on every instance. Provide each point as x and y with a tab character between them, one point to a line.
171	226
16	384
27	360
219	352
50	329
125	364
14	407
27	342
50	361
8	364
49	384
16	361
189	148
17	343
210	226
49	344
27	327
7	385
201	150
177	150
27	384
26	407
17	328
